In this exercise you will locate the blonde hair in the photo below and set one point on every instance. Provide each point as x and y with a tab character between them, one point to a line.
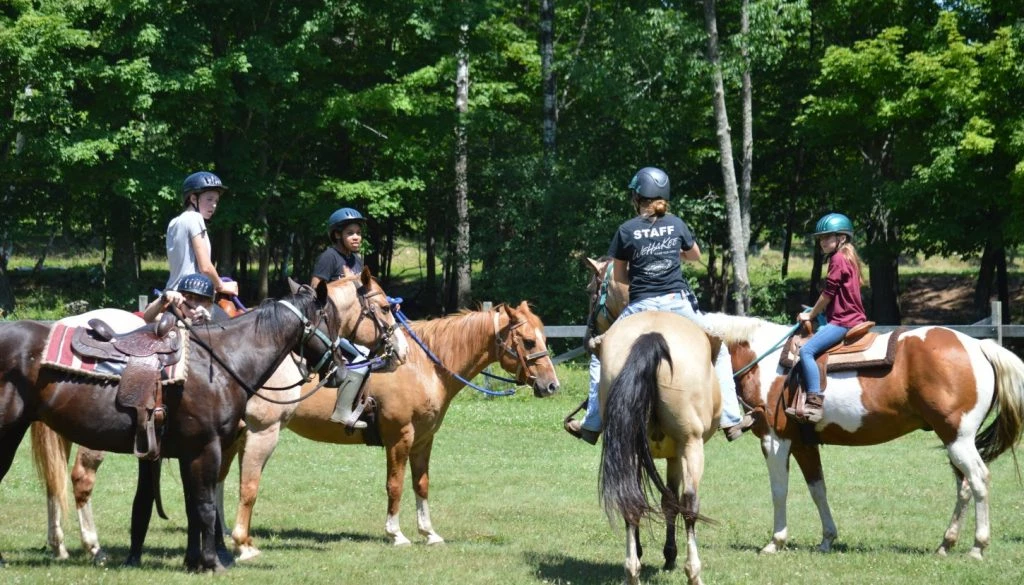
651	207
850	253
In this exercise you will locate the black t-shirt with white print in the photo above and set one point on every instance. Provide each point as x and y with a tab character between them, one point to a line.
651	246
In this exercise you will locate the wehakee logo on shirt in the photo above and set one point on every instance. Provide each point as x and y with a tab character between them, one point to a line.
665	230
671	245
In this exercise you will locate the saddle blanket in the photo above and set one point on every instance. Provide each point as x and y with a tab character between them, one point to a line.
59	355
880	353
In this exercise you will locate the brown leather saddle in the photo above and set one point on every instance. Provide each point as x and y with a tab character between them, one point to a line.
145	352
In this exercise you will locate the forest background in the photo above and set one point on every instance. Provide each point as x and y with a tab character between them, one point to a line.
497	137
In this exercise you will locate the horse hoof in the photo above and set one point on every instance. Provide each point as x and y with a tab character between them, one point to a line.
434	539
769	549
100	559
247	553
976	554
132	563
942	552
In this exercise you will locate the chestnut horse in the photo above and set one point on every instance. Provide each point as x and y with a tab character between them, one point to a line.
202	413
659	398
411	404
366	318
940	380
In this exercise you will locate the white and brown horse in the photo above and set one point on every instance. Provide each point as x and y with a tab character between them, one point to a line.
411	405
940	380
659	398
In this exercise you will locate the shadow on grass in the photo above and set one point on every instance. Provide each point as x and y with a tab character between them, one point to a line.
562	569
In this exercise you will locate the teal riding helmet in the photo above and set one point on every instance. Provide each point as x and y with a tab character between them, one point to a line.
834	223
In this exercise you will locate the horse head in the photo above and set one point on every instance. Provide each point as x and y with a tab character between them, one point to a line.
368	319
522	348
321	325
608	297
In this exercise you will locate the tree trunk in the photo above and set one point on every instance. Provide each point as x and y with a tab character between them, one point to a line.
883	260
737	245
6	293
548	86
983	287
263	274
748	124
123	262
463	263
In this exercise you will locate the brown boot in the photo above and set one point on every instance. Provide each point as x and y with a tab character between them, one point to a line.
575	428
812	411
735	431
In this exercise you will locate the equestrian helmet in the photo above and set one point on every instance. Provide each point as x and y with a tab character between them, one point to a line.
344	216
201	181
197	284
834	223
650	183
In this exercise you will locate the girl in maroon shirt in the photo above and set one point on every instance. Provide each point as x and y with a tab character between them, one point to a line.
840	301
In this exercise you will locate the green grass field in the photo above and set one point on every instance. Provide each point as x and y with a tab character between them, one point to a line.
516	499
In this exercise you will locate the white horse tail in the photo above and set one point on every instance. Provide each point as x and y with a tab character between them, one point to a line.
627	468
50	453
1004	432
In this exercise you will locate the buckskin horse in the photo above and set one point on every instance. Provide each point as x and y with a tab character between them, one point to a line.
659	398
202	413
411	404
939	380
365	318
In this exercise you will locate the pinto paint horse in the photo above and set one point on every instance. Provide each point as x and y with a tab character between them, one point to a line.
659	398
202	413
940	380
365	317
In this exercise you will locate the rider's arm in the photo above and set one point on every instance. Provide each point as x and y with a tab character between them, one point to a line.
621	273
819	307
691	255
205	265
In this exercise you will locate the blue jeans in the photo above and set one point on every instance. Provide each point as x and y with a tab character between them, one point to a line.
826	337
673	303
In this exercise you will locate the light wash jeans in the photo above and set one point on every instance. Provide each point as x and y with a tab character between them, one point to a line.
826	337
673	303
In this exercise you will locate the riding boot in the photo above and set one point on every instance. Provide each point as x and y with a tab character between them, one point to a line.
346	397
812	411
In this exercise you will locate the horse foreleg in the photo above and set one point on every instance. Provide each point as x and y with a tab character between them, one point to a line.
420	467
670	508
200	475
397	455
252	458
632	564
809	460
83	479
776	457
694	461
966	458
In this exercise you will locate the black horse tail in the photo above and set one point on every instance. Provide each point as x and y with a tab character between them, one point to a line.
627	467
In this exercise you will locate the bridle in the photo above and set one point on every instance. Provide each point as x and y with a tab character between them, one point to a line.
599	302
525	361
384	350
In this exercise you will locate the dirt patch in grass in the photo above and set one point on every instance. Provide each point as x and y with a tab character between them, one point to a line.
948	299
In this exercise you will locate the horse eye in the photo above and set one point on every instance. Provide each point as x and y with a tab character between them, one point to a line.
529	343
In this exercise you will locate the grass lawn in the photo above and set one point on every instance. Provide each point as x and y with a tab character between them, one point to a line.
516	499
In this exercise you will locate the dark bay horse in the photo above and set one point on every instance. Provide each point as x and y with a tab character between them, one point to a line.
202	414
365	317
659	398
940	380
411	405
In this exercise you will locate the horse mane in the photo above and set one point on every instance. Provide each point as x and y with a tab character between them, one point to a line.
272	316
453	335
733	328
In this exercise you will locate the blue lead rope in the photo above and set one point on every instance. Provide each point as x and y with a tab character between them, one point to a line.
405	323
821	321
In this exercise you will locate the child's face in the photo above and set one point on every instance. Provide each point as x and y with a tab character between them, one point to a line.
828	243
207	202
351	237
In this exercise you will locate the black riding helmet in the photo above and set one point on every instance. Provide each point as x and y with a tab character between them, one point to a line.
197	284
650	183
199	182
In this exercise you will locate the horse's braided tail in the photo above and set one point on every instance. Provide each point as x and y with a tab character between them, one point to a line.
1004	432
627	468
50	453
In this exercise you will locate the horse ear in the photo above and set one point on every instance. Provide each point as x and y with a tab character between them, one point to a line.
292	285
321	293
592	266
365	277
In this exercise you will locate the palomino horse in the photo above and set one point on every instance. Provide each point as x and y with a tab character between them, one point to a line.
202	413
411	404
659	398
940	380
366	318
